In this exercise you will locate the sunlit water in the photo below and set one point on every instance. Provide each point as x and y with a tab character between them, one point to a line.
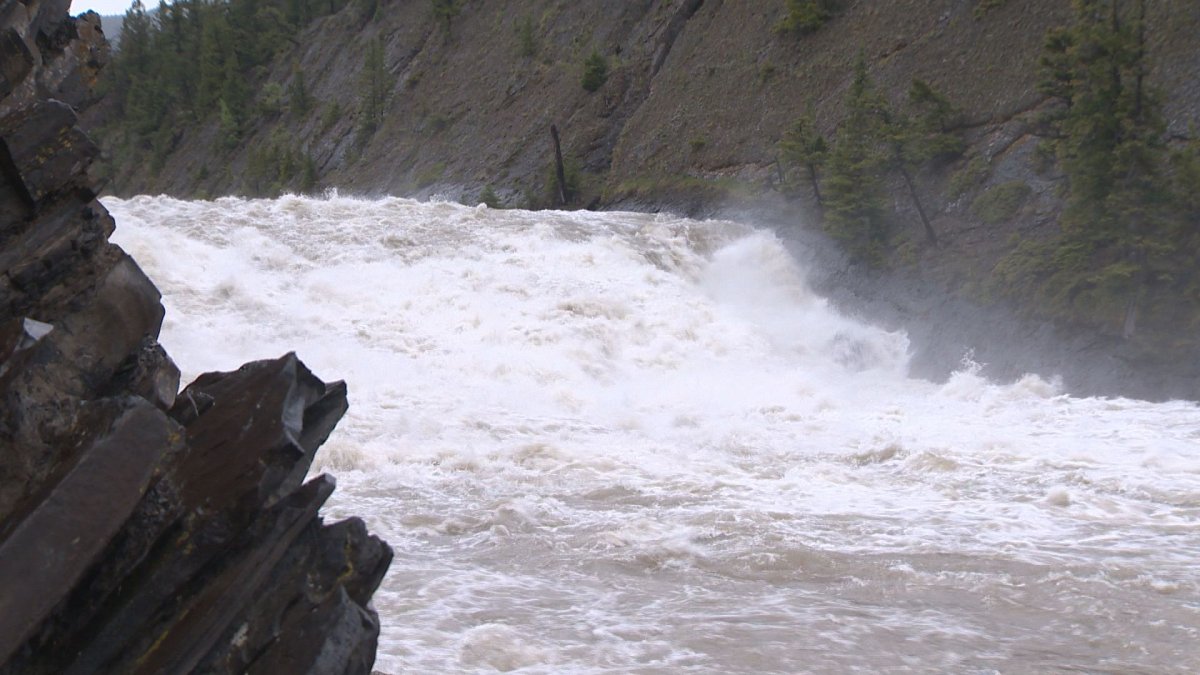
635	443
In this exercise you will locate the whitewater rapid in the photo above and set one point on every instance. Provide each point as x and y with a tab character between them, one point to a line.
613	443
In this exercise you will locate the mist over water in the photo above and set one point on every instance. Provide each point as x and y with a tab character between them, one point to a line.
613	442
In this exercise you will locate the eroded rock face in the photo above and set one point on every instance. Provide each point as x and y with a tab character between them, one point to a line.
143	531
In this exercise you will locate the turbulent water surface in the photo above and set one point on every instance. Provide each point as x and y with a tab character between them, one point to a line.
634	443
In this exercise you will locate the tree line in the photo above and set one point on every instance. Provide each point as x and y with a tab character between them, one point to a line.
192	59
875	141
1130	230
1128	238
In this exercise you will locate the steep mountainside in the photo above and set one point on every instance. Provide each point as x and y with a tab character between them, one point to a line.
698	96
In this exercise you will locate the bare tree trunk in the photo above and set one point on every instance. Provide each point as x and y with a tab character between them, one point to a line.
1139	292
816	187
930	235
560	172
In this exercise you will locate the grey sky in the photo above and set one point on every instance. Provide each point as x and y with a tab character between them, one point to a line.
106	7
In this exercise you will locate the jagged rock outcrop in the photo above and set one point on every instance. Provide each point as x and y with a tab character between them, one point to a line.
141	531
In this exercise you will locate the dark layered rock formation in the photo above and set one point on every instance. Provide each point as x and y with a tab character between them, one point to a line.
143	531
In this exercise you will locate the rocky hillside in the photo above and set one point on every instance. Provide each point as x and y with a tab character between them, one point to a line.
143	529
690	104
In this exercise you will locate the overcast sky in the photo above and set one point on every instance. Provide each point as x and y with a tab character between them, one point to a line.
106	7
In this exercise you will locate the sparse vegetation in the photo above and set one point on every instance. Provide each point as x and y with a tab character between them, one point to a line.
299	99
1001	202
431	174
970	176
275	166
985	6
331	116
270	99
445	11
527	40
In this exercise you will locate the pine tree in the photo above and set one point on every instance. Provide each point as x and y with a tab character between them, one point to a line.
234	101
595	71
854	195
935	137
1110	142
300	100
373	89
444	11
804	147
308	175
215	42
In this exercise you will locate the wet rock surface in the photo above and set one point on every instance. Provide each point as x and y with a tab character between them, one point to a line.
141	530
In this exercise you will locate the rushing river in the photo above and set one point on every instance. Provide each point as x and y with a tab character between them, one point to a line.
615	443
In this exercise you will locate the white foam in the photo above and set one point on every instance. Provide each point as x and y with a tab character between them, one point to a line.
592	436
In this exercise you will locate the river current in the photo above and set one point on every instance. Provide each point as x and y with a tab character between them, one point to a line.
629	443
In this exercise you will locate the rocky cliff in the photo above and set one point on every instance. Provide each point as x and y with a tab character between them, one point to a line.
698	96
141	530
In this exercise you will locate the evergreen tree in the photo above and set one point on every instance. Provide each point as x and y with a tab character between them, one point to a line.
854	195
935	135
444	11
595	71
216	41
234	102
308	176
527	41
299	98
804	147
373	89
196	62
914	142
1109	137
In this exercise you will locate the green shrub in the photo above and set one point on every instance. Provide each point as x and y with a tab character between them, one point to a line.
527	42
270	99
489	197
968	177
986	6
230	128
333	113
308	177
445	11
300	100
1001	202
806	16
595	72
